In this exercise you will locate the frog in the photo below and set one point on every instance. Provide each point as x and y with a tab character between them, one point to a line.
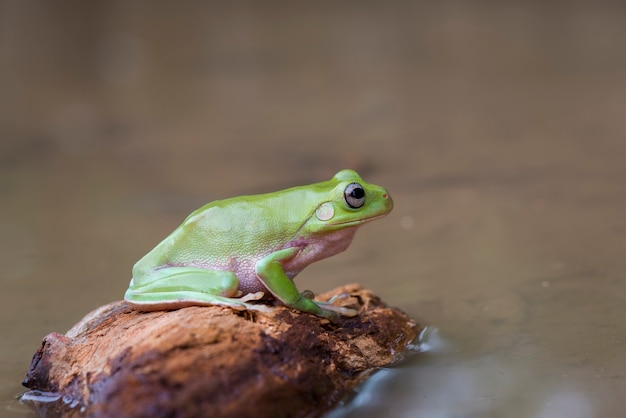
236	251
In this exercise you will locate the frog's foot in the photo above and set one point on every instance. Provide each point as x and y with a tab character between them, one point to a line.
334	304
254	306
251	296
341	310
238	304
328	306
259	307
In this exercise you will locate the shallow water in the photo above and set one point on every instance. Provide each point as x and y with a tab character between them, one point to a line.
498	129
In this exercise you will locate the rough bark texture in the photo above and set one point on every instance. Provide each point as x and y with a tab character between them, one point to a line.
214	361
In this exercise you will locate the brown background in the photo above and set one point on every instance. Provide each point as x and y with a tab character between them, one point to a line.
498	127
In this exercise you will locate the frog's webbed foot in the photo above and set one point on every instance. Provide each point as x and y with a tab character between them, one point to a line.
251	296
240	303
328	306
341	310
335	304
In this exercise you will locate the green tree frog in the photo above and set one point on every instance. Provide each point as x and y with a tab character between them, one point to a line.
230	252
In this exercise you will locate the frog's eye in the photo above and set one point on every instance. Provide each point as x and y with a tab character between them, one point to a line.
354	195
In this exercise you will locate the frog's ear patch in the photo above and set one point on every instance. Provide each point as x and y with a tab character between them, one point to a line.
347	175
325	212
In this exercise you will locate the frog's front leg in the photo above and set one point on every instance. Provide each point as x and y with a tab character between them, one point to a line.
177	287
270	271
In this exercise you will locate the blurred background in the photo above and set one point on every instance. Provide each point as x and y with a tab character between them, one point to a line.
498	127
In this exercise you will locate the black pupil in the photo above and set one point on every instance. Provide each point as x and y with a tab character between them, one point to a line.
357	193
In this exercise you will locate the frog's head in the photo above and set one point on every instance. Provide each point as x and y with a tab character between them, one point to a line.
347	201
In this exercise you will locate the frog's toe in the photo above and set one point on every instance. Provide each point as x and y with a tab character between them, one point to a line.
330	315
259	307
251	296
236	306
341	310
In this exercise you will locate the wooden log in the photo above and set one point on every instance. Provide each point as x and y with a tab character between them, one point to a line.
214	361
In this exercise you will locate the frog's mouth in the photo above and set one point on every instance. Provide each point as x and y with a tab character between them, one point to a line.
354	222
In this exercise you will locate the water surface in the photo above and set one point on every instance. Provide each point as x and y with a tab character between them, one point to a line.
498	129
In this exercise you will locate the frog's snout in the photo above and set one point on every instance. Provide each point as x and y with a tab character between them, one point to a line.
387	200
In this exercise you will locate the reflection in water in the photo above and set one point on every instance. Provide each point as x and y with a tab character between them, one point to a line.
441	381
37	396
50	404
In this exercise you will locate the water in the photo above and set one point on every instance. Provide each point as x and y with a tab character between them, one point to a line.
497	128
450	383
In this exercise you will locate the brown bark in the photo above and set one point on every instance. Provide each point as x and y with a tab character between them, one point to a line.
214	361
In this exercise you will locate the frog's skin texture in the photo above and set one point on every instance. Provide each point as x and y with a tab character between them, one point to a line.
232	251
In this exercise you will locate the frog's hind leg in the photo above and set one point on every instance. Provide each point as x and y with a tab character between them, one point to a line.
177	287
